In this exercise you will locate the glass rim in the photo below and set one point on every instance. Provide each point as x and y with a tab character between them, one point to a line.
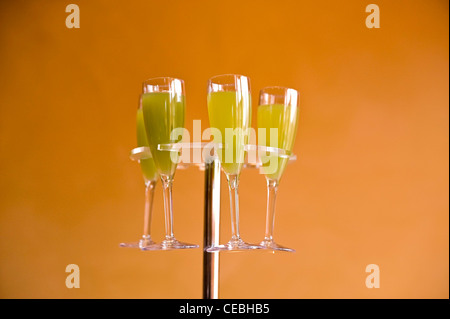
227	74
161	78
285	88
279	95
163	84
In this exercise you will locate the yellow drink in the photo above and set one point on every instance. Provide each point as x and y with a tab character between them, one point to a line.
163	112
230	110
285	119
147	165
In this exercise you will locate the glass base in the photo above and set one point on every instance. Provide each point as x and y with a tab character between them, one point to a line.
145	243
271	245
170	244
233	245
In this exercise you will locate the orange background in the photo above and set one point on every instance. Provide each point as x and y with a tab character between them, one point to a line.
370	184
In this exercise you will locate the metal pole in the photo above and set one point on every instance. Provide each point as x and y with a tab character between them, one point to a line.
211	229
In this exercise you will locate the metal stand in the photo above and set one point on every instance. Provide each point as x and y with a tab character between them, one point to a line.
212	207
211	229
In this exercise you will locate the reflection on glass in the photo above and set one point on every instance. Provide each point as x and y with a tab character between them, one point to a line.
150	177
277	114
163	105
229	110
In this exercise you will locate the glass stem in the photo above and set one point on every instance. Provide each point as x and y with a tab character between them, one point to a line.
167	182
149	194
233	185
272	186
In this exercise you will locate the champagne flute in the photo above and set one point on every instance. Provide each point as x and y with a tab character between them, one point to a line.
150	175
229	110
277	114
163	105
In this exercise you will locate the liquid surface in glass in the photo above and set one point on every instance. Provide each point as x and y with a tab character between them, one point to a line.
230	110
285	119
163	112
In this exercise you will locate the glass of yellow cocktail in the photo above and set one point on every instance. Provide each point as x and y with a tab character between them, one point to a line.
150	175
277	119
229	110
163	107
